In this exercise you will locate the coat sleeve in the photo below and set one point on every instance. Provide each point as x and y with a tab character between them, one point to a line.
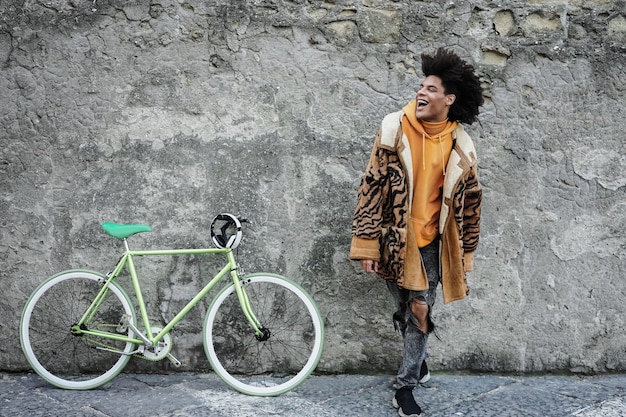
471	218
366	223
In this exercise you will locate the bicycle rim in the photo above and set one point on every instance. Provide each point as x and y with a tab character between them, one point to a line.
63	359
281	362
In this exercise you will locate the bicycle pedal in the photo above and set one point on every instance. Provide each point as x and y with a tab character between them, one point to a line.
174	361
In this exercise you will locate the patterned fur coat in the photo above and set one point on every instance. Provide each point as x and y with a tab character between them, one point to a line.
381	227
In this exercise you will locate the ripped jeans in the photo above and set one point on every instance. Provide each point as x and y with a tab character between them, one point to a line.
414	339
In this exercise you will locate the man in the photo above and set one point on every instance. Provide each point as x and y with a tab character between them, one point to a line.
418	212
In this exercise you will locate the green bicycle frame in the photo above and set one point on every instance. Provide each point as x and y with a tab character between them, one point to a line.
82	327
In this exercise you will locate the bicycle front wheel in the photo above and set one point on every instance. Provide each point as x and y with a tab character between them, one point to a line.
62	358
294	338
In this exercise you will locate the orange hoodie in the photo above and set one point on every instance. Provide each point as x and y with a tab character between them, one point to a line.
431	144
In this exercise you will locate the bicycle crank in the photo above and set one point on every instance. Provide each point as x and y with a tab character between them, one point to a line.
160	349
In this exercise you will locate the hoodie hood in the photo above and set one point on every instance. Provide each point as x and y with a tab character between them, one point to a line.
432	131
429	130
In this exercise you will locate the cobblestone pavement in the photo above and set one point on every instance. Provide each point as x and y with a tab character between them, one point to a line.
198	394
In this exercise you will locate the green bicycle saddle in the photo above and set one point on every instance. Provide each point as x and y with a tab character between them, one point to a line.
122	231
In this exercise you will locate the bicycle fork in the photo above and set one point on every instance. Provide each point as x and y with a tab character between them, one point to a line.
261	333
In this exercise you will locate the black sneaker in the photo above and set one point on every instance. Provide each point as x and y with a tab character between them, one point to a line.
405	403
424	374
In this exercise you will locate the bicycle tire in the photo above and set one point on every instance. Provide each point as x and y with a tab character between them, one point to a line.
286	358
61	358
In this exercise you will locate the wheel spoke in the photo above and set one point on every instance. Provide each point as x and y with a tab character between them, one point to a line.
275	365
60	357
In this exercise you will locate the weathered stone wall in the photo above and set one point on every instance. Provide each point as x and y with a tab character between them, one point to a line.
167	112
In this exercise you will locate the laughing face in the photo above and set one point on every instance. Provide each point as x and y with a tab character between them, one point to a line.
433	103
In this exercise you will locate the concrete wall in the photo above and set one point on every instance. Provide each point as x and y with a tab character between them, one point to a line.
167	112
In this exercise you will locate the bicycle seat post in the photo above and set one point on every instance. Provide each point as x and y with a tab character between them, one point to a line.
126	245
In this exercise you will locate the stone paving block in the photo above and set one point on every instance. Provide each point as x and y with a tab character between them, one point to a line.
202	395
609	408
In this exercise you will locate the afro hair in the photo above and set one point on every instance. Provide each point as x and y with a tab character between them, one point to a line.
458	78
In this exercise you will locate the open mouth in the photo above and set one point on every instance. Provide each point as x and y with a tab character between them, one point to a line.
422	103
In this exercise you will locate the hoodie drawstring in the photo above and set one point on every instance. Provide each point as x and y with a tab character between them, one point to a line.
443	166
423	151
439	139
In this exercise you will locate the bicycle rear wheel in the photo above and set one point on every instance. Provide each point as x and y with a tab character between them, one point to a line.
62	358
290	353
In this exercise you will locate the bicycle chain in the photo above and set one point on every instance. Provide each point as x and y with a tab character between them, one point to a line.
115	348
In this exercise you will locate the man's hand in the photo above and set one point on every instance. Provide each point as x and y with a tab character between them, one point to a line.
367	265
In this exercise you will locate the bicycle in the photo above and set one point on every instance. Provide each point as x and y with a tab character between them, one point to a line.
262	333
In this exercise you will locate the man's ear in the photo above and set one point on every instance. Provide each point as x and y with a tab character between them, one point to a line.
450	98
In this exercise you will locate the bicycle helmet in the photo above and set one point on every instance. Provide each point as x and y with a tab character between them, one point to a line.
226	231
